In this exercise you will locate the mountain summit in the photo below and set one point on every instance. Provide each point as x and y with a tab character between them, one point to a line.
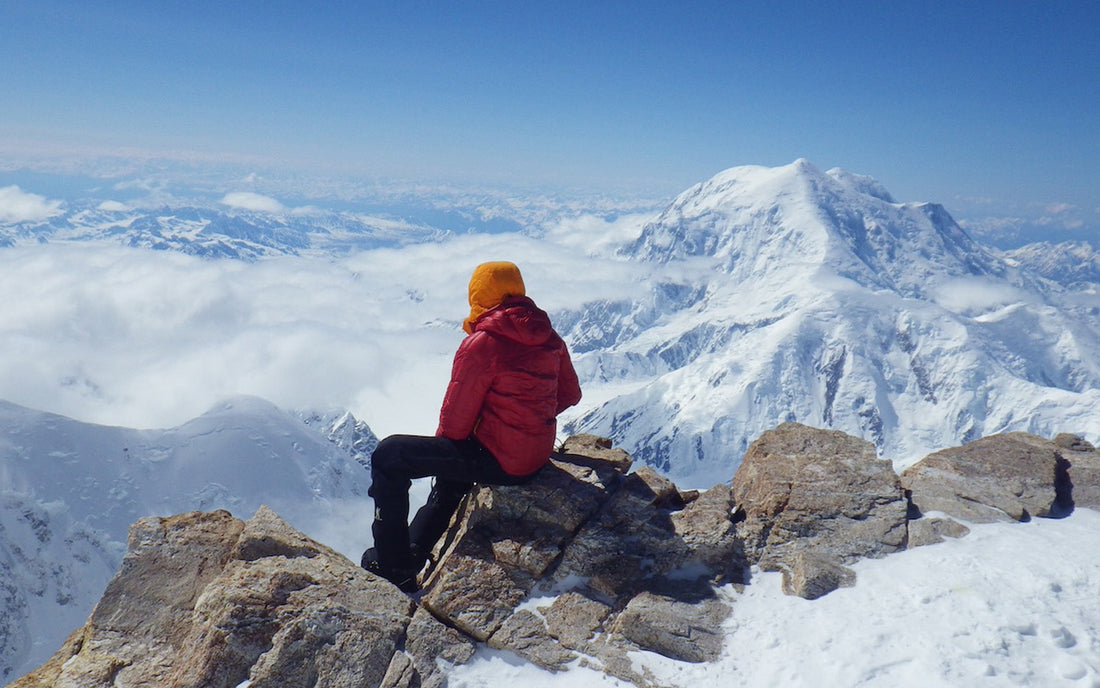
758	220
792	294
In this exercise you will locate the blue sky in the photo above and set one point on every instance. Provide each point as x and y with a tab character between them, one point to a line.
959	102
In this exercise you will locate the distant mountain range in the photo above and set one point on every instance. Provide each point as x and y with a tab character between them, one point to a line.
1073	264
224	233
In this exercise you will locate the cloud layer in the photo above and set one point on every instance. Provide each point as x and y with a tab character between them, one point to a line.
248	200
18	206
150	339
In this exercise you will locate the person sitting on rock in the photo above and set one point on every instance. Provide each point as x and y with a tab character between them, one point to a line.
510	379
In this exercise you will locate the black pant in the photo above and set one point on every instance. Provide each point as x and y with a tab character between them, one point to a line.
398	459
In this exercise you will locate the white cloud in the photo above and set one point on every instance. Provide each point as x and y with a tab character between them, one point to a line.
113	207
1059	208
594	234
975	295
153	338
247	200
17	205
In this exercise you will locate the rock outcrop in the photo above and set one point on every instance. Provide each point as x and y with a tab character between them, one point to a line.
626	562
810	501
621	553
587	564
204	599
1009	477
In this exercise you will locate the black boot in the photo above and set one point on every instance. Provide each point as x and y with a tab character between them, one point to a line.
404	579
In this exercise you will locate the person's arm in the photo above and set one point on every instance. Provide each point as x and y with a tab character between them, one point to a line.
569	388
466	390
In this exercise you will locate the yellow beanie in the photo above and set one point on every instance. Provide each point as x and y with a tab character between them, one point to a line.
490	284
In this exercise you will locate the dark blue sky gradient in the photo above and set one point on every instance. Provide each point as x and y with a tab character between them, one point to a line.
938	100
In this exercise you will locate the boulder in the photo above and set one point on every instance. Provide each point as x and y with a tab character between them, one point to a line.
598	538
930	531
204	599
689	630
1083	467
1007	477
811	500
599	449
810	574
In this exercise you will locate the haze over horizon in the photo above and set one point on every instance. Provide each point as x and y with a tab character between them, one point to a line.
987	107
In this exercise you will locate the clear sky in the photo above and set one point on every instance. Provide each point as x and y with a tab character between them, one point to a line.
964	99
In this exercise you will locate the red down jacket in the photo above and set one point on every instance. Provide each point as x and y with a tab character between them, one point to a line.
511	377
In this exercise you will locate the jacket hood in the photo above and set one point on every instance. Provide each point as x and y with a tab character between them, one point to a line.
518	319
490	285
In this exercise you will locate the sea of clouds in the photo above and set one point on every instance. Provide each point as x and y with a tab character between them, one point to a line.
143	338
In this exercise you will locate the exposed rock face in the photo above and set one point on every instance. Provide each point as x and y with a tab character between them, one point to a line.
628	560
813	500
586	564
621	552
1009	477
203	599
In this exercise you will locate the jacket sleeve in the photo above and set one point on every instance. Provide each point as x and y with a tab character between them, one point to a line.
466	391
569	388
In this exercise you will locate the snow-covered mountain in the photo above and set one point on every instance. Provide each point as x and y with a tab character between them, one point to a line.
70	490
815	296
1074	264
223	233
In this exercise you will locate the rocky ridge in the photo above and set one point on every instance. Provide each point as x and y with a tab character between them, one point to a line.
585	565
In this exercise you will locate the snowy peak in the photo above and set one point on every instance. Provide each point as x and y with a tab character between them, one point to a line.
756	221
863	183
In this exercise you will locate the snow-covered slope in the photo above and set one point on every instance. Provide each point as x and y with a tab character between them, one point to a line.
1073	264
814	296
69	492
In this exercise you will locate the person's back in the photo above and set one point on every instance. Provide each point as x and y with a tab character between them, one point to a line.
511	378
529	380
